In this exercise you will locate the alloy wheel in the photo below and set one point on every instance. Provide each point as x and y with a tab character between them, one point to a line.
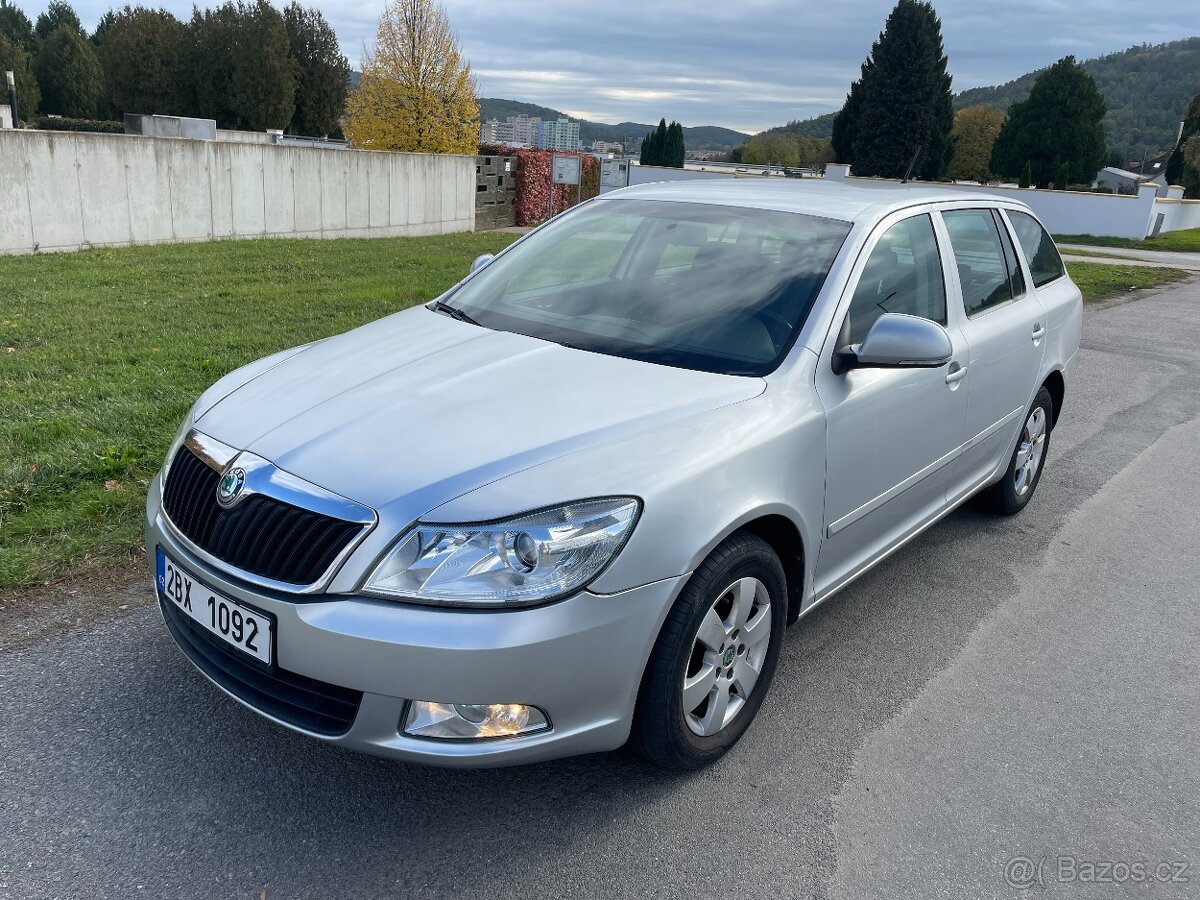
727	656
1029	451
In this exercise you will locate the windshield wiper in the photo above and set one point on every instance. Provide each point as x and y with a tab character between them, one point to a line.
453	312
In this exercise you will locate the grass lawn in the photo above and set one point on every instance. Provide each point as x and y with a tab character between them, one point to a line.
1092	254
1185	241
102	352
1099	281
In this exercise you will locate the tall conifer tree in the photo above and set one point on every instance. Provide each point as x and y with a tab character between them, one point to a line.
900	112
1060	122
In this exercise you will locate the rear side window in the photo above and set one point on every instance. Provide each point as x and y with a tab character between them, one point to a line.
1044	262
979	255
903	274
1016	278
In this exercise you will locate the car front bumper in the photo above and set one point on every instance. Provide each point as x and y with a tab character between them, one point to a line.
580	660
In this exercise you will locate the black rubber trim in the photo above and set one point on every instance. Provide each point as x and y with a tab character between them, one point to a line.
298	700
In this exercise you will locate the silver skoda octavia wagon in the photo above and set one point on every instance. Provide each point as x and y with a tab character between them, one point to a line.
574	502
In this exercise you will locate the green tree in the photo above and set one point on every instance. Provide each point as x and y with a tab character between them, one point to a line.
1063	178
675	153
1191	167
975	131
324	71
845	124
68	74
14	58
58	12
240	67
16	27
1191	127
654	146
649	153
1026	175
1059	122
141	51
660	144
905	112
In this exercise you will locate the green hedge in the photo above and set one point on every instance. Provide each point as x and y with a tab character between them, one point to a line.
104	126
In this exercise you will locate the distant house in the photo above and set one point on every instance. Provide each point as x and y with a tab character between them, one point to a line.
1123	181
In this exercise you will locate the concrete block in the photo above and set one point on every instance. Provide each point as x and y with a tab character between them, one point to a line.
191	193
401	181
16	227
105	201
149	198
53	185
279	189
306	167
334	167
358	191
379	167
417	212
220	180
246	178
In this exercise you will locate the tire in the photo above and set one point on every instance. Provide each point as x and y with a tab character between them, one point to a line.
1011	493
742	574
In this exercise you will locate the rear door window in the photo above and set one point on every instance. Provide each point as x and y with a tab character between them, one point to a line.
979	256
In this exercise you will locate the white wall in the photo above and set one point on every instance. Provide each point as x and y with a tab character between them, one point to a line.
650	174
1178	215
1064	212
67	191
1078	212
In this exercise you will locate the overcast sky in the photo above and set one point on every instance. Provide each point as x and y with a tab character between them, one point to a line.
744	64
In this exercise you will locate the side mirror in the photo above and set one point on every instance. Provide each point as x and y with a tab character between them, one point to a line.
897	341
481	261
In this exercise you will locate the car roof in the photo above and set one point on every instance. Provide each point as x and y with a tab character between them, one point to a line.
850	202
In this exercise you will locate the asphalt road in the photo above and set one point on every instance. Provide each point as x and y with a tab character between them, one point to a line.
1027	687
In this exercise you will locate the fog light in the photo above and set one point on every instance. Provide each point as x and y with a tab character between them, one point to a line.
472	721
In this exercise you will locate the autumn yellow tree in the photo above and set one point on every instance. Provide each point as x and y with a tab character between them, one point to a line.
974	133
416	92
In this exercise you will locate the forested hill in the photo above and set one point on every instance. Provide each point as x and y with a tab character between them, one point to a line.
1147	89
703	137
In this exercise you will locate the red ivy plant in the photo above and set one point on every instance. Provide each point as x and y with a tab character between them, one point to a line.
533	204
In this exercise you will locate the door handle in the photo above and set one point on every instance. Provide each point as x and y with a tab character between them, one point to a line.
956	374
1039	331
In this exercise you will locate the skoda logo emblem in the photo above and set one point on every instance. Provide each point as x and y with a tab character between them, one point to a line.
230	486
730	653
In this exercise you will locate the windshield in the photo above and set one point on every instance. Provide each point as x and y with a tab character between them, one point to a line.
715	288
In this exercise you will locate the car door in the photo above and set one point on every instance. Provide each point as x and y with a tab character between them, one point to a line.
892	435
1005	327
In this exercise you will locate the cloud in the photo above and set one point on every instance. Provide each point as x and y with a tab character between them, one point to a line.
746	65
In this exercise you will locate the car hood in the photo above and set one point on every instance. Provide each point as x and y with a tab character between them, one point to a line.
411	411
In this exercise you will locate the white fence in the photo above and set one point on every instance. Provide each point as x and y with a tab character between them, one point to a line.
1064	212
68	191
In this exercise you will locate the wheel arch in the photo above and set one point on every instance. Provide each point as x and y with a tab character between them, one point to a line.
784	532
1057	387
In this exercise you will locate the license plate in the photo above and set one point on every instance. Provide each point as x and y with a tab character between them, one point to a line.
248	630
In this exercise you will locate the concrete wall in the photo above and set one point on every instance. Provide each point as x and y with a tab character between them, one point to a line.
67	191
650	174
1064	212
1178	214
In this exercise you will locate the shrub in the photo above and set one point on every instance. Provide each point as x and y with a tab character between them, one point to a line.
533	203
62	123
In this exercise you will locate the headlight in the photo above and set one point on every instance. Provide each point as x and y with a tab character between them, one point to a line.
525	560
